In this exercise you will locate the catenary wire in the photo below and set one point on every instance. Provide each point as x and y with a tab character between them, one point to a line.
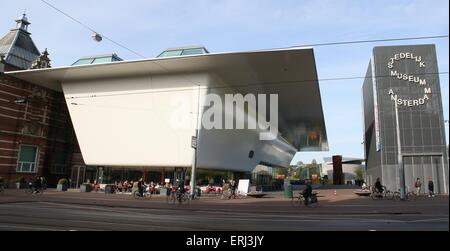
258	84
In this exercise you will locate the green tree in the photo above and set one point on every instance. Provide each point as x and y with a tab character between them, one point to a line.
298	173
359	174
311	169
283	171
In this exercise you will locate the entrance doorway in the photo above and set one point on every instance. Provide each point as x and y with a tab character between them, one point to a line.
426	167
179	174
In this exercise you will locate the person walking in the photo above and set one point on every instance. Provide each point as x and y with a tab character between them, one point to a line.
233	187
418	186
430	188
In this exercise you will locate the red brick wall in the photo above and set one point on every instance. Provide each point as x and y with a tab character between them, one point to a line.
11	68
42	121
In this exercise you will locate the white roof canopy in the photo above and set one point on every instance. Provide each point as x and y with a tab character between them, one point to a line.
290	73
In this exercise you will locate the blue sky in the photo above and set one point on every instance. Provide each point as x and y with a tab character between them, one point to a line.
150	26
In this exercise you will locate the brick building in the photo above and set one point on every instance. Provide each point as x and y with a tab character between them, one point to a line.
36	134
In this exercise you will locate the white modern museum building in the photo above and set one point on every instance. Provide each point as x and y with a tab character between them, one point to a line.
142	114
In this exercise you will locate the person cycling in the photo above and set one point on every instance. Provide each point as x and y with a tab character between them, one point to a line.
199	190
152	188
379	188
2	185
307	192
141	185
180	190
37	185
43	183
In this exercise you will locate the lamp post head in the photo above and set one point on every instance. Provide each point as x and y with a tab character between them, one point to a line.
97	37
21	101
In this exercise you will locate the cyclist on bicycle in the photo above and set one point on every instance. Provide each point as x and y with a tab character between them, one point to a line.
141	186
307	192
379	188
152	188
43	183
180	190
37	184
2	185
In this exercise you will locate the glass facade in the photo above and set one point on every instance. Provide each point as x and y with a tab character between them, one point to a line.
406	75
263	177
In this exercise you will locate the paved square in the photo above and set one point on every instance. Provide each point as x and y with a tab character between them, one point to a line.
98	211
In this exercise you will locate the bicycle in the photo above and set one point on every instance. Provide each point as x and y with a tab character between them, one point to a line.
177	196
229	194
412	196
300	199
377	195
34	190
147	193
196	196
409	196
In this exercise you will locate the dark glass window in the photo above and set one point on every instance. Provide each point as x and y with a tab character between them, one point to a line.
27	159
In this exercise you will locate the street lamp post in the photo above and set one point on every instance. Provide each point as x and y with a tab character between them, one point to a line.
401	168
195	146
448	157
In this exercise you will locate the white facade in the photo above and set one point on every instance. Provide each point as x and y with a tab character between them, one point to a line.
144	113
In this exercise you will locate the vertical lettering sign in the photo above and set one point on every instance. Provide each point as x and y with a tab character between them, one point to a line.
375	106
411	79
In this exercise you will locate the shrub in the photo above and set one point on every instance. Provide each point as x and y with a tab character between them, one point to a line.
20	179
63	181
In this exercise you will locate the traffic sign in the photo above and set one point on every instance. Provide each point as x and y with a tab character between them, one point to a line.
194	142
